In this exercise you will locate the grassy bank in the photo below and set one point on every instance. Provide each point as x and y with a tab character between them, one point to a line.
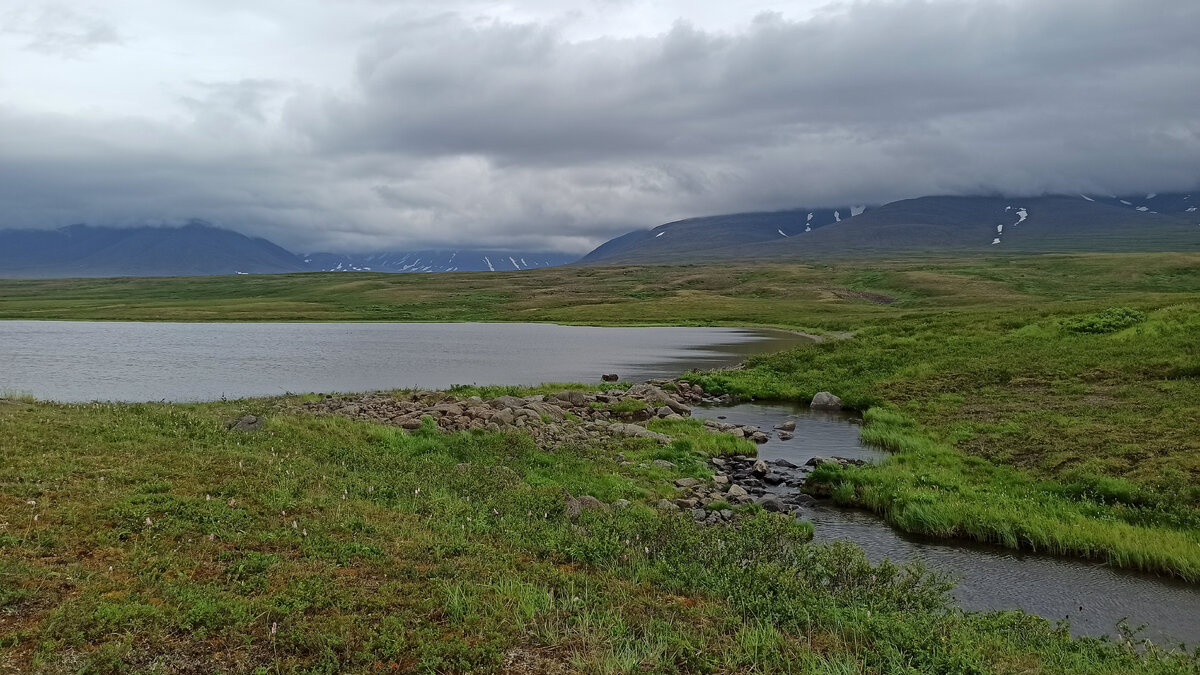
1071	433
147	538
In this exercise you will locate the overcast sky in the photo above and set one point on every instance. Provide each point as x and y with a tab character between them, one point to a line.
352	125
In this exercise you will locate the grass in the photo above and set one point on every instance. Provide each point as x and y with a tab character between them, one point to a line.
145	537
1045	403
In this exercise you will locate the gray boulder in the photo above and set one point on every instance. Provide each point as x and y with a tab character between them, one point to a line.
761	468
736	491
772	503
789	425
826	401
634	431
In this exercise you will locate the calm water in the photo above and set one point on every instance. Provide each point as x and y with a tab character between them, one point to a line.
1093	597
138	361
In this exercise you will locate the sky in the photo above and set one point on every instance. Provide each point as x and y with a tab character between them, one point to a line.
361	125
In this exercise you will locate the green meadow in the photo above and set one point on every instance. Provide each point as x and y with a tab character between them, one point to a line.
1045	403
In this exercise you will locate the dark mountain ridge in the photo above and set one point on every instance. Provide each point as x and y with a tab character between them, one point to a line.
1046	224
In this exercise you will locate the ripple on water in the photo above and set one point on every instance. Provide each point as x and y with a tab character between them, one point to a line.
1093	597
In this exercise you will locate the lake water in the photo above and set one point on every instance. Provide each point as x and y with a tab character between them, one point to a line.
143	361
1093	597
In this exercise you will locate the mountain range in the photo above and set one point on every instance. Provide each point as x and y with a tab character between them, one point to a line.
924	225
1048	224
199	249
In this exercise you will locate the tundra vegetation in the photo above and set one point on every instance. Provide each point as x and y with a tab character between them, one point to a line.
1046	403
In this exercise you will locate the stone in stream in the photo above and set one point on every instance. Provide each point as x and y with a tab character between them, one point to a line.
789	425
761	468
785	436
610	377
771	502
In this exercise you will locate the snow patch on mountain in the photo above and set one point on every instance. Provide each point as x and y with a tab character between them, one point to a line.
857	210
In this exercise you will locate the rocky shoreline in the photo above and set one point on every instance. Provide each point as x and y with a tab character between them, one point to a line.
578	417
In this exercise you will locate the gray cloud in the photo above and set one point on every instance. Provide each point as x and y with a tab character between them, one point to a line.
455	127
58	30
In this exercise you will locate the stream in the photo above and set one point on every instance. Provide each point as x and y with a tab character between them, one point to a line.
1091	596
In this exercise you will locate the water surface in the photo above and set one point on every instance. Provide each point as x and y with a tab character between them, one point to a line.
147	361
1092	596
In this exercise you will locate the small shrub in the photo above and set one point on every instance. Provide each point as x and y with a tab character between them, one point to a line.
1110	320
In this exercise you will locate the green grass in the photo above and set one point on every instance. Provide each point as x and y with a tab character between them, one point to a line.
1044	403
329	545
700	440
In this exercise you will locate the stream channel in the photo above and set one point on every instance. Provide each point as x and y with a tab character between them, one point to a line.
1093	597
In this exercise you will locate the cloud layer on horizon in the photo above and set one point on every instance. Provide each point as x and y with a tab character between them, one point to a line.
456	124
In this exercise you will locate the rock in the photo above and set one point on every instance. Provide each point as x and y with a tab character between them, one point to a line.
462	466
759	437
501	402
804	500
826	401
737	491
620	457
686	503
663	463
611	377
554	412
688	482
818	461
246	423
786	436
772	503
575	398
761	468
589	503
772	479
664	411
786	464
699	514
697	390
721	480
737	432
572	509
789	425
666	505
621	504
749	430
450	409
634	431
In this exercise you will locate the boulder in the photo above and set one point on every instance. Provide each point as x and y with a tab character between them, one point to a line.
789	425
761	468
504	417
737	491
667	505
786	436
826	401
577	399
634	431
759	437
664	412
688	482
507	402
786	464
721	480
554	412
772	503
610	377
621	504
589	503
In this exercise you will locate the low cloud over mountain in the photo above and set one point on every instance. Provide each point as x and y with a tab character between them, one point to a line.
554	126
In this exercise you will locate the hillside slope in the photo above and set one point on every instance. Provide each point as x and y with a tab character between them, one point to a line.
1053	224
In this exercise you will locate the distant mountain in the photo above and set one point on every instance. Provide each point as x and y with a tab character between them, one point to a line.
86	251
1077	223
713	234
437	261
199	249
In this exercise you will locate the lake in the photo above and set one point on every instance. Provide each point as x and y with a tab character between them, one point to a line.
144	361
